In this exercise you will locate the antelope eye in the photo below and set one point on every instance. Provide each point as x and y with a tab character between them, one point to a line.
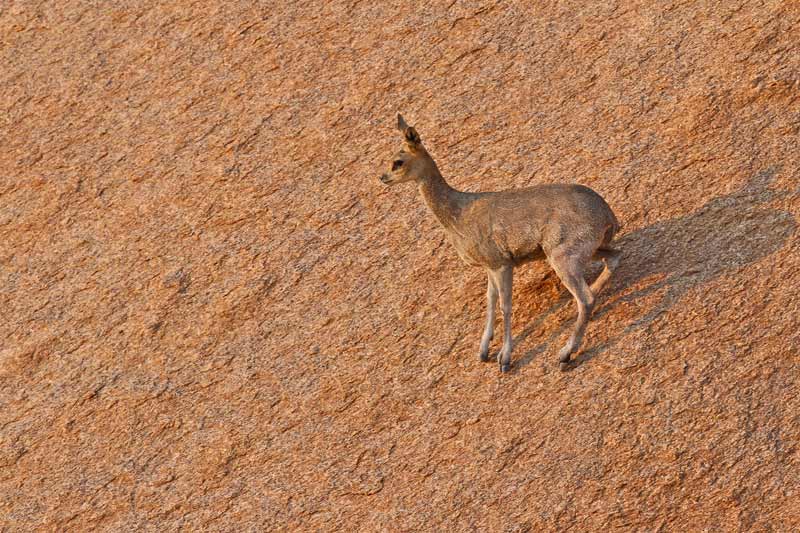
397	164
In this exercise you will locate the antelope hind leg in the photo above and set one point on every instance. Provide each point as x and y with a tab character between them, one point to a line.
610	258
570	270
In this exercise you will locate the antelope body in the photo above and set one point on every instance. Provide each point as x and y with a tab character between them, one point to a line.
567	224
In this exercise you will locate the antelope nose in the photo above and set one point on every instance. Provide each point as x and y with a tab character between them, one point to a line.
384	178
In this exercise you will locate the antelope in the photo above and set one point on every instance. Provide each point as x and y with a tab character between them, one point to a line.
567	224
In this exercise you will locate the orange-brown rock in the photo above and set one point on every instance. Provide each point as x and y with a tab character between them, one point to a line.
215	317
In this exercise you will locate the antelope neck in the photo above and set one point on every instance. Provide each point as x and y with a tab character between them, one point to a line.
442	199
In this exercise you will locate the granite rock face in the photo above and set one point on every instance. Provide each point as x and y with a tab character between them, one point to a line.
214	316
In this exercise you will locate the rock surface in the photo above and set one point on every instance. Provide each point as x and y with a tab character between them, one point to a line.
215	317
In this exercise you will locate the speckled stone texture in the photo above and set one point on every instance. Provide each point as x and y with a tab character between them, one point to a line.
215	317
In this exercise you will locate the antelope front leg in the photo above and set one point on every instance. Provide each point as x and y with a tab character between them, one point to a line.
503	279
488	332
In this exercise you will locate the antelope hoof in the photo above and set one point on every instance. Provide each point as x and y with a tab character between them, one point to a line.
484	357
505	368
565	365
564	353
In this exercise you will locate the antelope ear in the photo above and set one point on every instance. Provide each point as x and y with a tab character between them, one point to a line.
401	123
412	137
410	134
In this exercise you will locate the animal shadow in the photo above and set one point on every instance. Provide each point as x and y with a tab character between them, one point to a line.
682	253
